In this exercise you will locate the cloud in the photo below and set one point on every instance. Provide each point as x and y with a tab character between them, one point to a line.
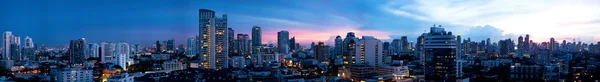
543	18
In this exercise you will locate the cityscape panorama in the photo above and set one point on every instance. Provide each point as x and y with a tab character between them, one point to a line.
300	41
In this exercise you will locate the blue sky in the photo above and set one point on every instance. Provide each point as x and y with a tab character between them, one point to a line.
145	21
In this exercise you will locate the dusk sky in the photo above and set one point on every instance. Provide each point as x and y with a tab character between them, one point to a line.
54	22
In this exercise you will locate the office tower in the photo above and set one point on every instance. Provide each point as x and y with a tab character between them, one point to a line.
158	47
440	48
243	45
191	47
231	43
526	43
419	48
283	41
214	40
386	47
488	45
122	54
28	42
15	54
107	50
520	43
459	48
312	45
17	40
369	51
292	43
338	46
170	45
6	42
77	52
551	44
15	49
256	39
405	47
507	46
396	44
93	50
320	52
136	49
349	48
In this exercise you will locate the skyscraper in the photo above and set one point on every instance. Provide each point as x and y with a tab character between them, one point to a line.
349	49
243	45
158	47
171	45
93	50
396	44
77	52
122	51
214	40
320	52
551	45
419	48
520	43
231	43
283	41
526	43
256	39
7	41
292	43
338	46
404	45
28	42
107	50
191	47
369	51
440	52
459	47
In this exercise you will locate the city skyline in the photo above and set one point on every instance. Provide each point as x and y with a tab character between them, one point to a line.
53	24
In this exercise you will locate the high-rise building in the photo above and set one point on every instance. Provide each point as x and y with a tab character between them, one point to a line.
404	44
17	40
283	41
459	47
526	43
191	47
551	45
312	45
231	43
107	54
158	47
292	43
77	52
440	52
369	51
338	46
6	42
15	54
396	44
520	43
93	50
28	42
214	40
122	52
243	45
256	39
171	45
419	48
320	52
349	48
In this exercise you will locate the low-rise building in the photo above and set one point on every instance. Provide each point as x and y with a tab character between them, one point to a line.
73	75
